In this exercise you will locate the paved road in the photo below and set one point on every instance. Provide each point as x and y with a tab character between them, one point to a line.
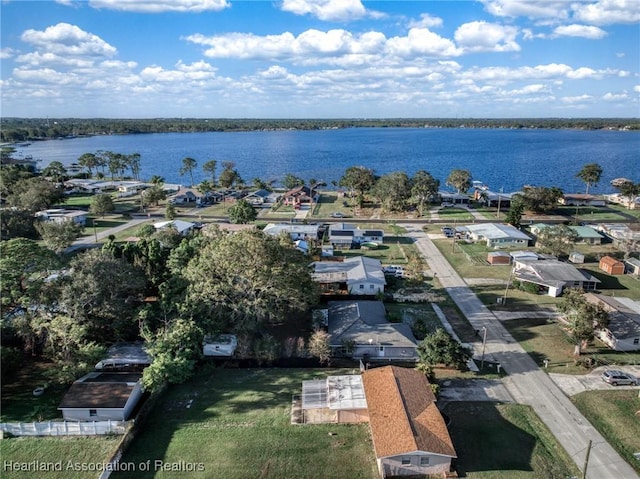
89	241
526	383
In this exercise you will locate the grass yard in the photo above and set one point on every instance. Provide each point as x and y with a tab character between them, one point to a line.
73	453
615	415
236	423
455	214
393	250
505	441
546	340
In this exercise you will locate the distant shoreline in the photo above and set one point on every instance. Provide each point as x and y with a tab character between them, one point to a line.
19	130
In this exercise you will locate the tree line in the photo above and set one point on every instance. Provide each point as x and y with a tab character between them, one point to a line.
30	129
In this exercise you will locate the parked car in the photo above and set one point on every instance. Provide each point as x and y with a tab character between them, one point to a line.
618	378
394	270
446	204
337	214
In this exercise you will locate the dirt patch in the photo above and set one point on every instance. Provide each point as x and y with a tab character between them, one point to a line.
405	296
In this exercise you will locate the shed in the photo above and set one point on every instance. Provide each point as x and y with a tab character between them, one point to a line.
632	266
498	257
611	265
576	258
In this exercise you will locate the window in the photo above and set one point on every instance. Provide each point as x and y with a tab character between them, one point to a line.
362	286
371	286
636	341
424	460
93	412
406	461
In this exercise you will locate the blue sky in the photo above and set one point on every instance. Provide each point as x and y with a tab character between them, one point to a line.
320	58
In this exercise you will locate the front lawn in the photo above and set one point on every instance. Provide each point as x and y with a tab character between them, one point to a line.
236	423
393	250
505	441
615	415
545	340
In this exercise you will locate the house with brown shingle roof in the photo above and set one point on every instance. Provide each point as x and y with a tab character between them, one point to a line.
409	434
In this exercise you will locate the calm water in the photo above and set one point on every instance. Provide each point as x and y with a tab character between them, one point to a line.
500	158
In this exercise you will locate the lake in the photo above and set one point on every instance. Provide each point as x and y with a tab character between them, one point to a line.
501	158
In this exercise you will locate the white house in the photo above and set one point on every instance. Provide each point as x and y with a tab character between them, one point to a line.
552	276
222	345
296	231
358	275
182	227
498	235
345	235
61	215
585	234
262	198
579	199
360	329
623	331
102	396
410	436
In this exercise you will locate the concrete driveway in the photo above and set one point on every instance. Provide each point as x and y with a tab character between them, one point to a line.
572	384
473	390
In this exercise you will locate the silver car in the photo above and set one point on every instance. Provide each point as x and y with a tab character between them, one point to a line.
618	378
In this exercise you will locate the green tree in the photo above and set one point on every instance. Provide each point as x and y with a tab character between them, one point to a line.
291	181
210	167
629	190
102	204
516	210
205	187
58	235
133	162
242	212
393	191
440	348
460	180
541	199
154	195
17	223
55	170
175	349
260	184
188	165
358	179
590	174
229	175
558	240
244	281
319	346
581	317
88	161
157	180
103	293
170	212
424	187
34	194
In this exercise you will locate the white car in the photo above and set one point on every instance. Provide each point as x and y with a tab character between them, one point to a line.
337	214
393	270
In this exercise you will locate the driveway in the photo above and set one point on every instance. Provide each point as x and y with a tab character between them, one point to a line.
572	384
473	390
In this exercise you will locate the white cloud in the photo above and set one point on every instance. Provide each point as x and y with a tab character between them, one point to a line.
555	9
487	37
636	88
426	21
584	31
606	12
571	100
66	39
613	97
157	6
327	10
422	42
6	53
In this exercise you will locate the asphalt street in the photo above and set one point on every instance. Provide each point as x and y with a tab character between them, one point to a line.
526	383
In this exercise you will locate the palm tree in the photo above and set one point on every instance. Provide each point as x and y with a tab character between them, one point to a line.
210	167
590	174
88	161
188	165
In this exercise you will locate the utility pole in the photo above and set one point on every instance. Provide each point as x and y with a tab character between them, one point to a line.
586	461
484	342
95	232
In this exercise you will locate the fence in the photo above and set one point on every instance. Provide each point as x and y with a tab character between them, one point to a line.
64	428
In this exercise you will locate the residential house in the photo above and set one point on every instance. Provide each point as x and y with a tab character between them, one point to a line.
552	276
360	329
498	235
182	227
297	231
579	199
186	197
100	396
130	188
632	266
493	199
623	330
585	234
410	436
358	275
262	198
221	345
299	196
345	235
624	236
454	198
617	198
60	215
611	265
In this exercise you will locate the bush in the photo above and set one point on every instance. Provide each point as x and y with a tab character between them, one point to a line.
10	358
